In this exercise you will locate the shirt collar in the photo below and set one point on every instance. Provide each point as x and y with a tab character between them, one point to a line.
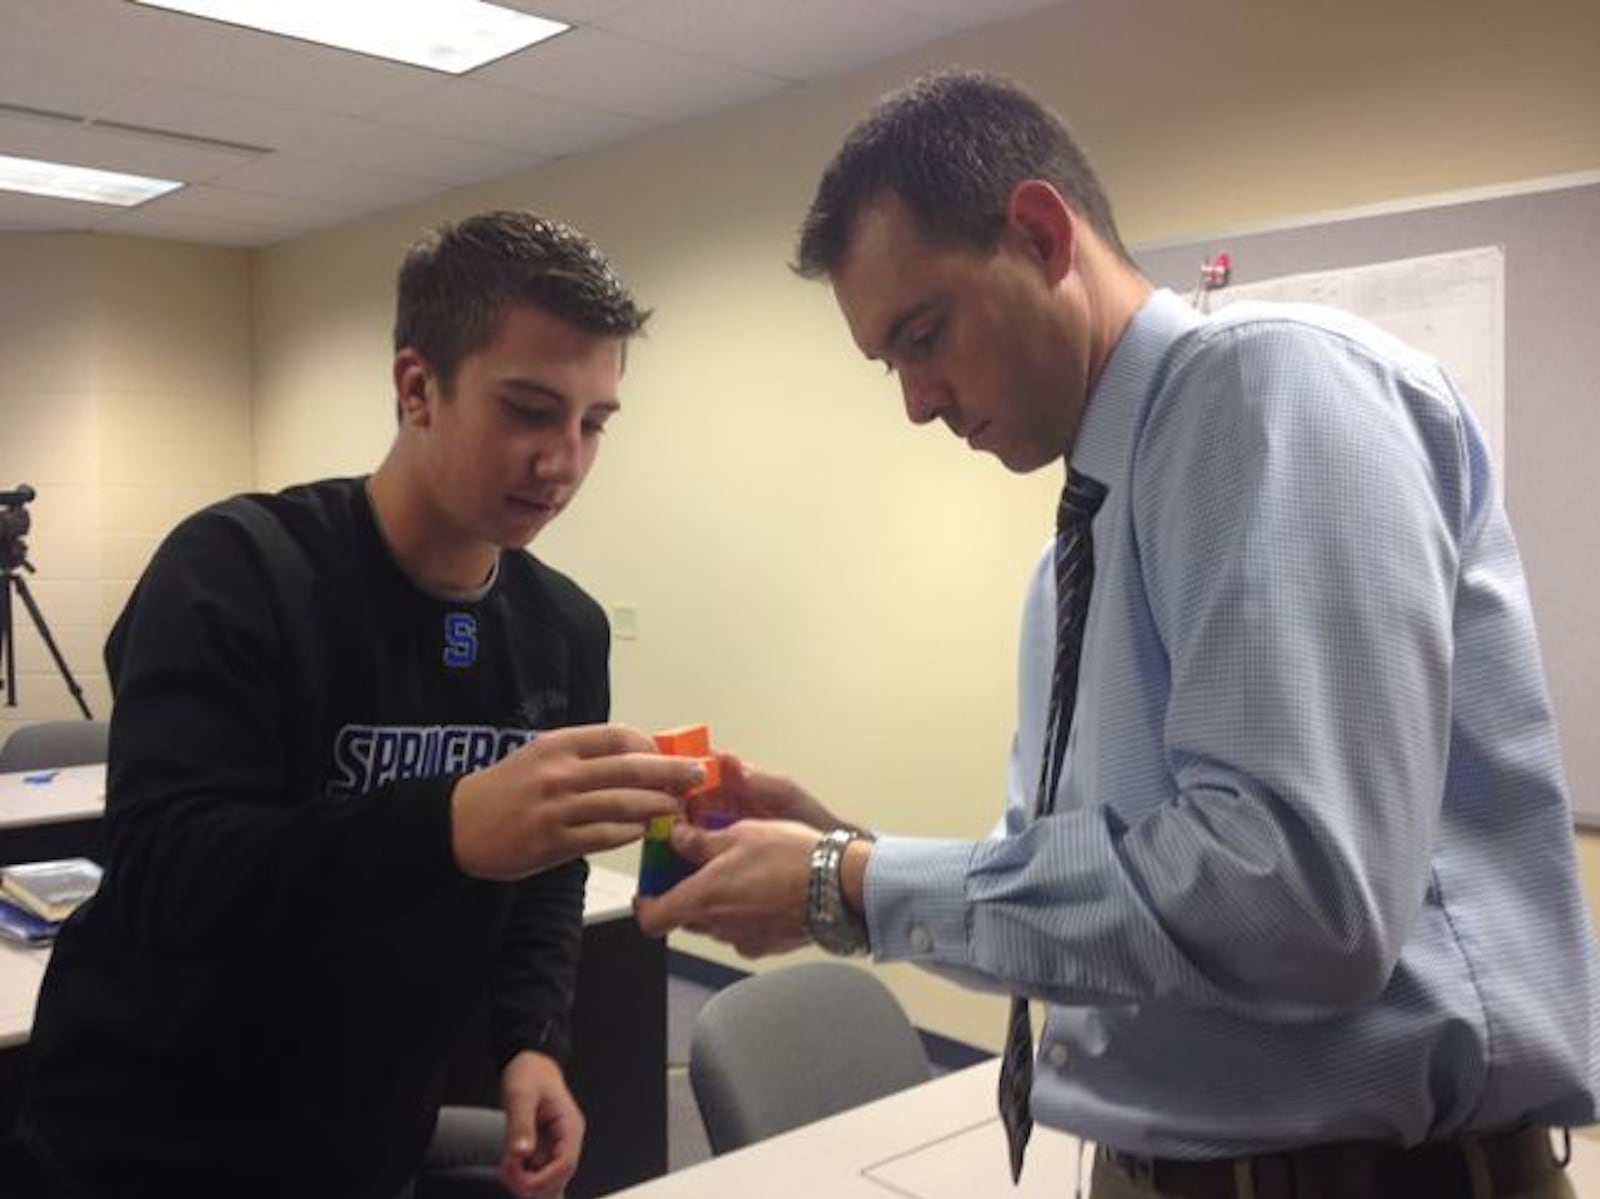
1105	435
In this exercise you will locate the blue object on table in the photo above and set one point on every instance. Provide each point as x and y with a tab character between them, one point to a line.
19	924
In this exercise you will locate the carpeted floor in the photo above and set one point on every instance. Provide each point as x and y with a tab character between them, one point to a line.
686	1137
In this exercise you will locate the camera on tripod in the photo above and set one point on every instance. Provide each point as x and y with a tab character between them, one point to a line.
14	525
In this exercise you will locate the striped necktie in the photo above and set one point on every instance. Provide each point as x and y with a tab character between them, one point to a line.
1080	499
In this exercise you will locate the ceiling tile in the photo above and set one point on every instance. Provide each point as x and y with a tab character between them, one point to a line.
574	12
20	214
205	112
19	132
514	120
288	175
141	154
965	14
321	137
148	221
258	208
642	79
39	77
178	48
406	153
797	41
351	133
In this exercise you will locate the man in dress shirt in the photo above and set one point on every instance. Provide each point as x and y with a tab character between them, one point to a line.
1306	906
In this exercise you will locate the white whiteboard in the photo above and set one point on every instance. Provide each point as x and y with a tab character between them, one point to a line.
1451	306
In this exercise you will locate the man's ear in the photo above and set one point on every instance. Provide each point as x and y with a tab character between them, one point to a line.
1044	226
412	380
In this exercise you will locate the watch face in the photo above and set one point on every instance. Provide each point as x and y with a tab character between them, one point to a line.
837	938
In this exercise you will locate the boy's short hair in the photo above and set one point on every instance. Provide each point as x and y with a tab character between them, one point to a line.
456	284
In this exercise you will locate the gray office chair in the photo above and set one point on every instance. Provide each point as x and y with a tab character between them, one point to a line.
792	1045
464	1159
53	743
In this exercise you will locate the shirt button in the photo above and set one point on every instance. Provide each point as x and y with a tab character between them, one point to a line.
1057	1055
921	939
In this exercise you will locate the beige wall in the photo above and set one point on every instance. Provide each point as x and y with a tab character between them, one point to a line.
124	401
834	591
1589	864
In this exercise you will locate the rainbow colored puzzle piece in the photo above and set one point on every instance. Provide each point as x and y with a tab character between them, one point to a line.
660	869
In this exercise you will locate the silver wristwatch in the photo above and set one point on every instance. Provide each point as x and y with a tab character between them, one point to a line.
830	921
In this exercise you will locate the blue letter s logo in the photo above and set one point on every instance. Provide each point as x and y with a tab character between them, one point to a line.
460	639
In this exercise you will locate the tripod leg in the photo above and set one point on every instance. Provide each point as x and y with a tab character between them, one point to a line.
21	585
8	659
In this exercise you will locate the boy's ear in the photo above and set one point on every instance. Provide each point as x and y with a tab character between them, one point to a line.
412	380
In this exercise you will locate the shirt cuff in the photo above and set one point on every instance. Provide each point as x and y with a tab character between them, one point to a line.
916	901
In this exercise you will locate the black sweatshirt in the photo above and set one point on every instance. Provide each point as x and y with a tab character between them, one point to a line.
265	991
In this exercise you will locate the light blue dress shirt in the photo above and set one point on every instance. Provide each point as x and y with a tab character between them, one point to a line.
1311	873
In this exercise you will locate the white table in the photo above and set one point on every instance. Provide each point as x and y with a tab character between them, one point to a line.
21	972
31	797
940	1140
609	896
73	793
29	800
76	793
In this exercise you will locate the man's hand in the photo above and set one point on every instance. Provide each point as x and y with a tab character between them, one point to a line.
567	793
544	1128
768	796
750	890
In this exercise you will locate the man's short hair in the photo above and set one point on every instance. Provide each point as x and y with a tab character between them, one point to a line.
953	146
456	284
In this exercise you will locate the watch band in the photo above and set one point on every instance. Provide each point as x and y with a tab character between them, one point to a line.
833	925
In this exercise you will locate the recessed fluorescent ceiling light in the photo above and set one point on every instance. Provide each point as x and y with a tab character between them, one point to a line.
445	35
79	183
